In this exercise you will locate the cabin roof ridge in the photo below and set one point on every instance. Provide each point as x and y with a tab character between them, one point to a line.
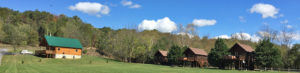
163	52
198	51
245	47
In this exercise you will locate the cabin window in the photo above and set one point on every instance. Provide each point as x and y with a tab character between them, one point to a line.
52	48
58	48
76	50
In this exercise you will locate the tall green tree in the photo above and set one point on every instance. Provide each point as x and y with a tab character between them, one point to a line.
293	55
2	33
175	54
215	56
267	55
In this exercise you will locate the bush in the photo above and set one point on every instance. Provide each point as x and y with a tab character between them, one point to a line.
84	51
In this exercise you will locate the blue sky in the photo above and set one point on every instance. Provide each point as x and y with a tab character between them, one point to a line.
231	16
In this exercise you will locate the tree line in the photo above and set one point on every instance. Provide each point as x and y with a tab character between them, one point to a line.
128	45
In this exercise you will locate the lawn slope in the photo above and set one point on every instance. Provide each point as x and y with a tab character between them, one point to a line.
92	64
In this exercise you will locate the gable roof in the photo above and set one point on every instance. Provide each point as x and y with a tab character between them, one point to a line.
198	51
247	48
163	53
63	42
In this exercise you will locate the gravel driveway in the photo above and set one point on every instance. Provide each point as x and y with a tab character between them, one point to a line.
2	51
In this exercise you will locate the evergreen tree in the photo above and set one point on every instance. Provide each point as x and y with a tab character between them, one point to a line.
215	56
175	54
267	55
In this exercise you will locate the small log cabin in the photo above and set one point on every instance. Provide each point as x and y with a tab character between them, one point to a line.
242	56
196	57
59	47
161	57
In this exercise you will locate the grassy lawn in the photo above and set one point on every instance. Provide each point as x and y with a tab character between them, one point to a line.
92	64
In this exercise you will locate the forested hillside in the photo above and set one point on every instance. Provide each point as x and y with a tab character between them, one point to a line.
130	45
28	27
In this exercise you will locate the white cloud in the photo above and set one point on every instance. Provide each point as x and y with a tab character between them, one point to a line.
267	10
148	25
293	36
264	34
188	34
135	6
281	35
245	36
284	22
255	38
222	37
163	25
240	36
204	22
91	8
130	4
296	36
126	3
242	19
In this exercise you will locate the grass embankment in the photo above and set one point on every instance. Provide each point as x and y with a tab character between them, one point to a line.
93	64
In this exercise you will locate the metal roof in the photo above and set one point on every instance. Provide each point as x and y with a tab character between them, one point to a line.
63	42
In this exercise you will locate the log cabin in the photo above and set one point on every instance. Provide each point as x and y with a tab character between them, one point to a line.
242	56
196	57
59	47
160	57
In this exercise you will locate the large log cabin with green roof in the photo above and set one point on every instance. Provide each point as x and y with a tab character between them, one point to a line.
59	47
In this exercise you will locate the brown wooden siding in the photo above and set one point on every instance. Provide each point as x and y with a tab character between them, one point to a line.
160	59
70	51
197	60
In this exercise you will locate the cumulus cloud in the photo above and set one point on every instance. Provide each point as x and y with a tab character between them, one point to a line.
264	34
222	37
91	8
267	10
204	22
130	4
255	38
246	36
240	36
163	25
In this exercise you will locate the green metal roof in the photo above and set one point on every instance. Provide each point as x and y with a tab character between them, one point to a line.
63	42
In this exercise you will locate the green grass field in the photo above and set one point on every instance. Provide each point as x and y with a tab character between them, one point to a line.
93	64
